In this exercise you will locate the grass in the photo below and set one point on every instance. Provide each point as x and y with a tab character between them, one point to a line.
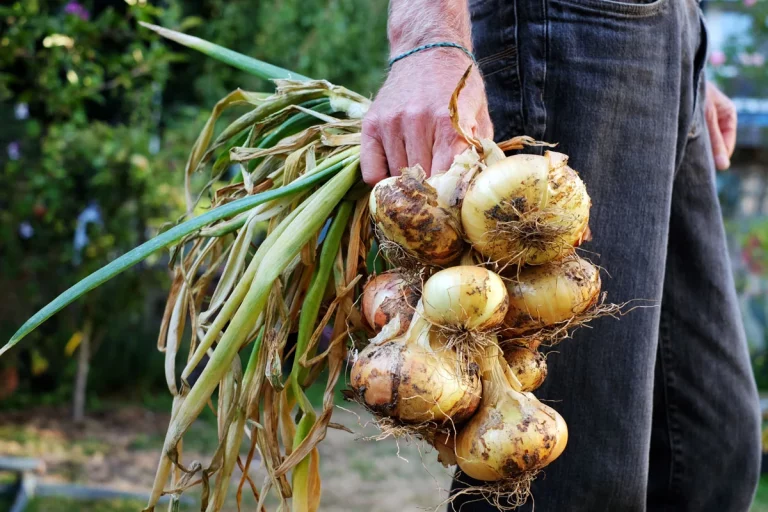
761	498
51	504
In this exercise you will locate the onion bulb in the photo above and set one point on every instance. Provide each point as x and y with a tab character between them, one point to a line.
529	366
406	212
511	434
465	297
526	209
550	294
406	379
387	296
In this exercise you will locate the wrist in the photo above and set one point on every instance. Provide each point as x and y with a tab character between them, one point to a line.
413	23
432	46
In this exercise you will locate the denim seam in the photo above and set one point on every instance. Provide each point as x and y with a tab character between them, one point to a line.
518	76
672	410
545	14
618	9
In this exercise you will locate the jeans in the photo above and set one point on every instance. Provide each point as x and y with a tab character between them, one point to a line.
661	404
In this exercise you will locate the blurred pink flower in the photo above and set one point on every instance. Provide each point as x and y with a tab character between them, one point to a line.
750	3
717	58
77	9
752	59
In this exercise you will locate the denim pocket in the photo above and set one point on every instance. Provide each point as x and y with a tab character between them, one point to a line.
481	7
628	9
699	64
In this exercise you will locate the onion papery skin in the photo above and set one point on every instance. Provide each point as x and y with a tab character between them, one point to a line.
445	444
526	209
409	381
529	366
549	294
406	211
389	295
465	297
510	435
451	185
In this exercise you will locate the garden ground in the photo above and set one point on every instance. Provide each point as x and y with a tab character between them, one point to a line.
117	448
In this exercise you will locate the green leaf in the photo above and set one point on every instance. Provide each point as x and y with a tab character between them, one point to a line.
238	60
161	241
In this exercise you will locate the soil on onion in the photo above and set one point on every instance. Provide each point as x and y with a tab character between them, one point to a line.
118	449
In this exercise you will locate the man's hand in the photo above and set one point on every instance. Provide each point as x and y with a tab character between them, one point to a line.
721	121
408	122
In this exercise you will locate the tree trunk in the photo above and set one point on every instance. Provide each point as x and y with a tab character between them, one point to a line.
81	381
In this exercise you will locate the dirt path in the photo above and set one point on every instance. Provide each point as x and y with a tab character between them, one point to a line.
119	449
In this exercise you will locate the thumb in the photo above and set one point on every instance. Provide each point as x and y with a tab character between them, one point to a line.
719	149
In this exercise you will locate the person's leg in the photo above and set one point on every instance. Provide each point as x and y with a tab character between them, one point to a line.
705	447
613	83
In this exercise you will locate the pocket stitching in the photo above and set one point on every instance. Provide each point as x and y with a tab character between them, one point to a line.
626	10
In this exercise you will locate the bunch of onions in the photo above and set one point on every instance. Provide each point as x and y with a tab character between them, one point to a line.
409	218
550	294
413	381
390	296
526	209
512	435
528	365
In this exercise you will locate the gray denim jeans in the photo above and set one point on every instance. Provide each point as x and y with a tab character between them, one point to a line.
661	404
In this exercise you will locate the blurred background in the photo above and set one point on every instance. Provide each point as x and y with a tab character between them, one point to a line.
96	120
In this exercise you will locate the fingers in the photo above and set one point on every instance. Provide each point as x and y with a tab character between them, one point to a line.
484	124
373	160
719	148
445	149
394	147
418	145
726	118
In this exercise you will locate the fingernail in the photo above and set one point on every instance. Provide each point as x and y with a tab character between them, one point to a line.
722	162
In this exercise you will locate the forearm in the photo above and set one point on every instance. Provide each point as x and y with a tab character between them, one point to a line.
413	23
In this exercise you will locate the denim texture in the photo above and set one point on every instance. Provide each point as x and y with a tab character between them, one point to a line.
661	404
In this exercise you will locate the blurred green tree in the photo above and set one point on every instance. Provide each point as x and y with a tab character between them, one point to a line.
97	116
84	177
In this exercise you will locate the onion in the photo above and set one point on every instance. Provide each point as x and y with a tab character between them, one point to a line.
550	294
465	297
387	296
406	212
511	434
529	366
526	209
406	379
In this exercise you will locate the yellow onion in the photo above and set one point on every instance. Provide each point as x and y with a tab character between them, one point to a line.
529	366
406	212
549	294
465	297
526	209
511	434
387	296
406	379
